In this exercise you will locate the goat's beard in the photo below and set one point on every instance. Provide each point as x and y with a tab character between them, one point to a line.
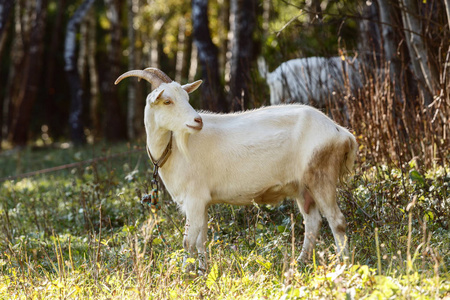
182	139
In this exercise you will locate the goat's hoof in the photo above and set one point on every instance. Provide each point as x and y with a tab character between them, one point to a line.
190	267
303	258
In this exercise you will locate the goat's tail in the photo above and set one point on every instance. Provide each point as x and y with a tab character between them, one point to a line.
262	67
350	150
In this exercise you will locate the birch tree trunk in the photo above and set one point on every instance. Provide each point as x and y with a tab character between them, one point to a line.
83	48
179	62
187	50
224	17
93	76
212	96
193	63
447	11
23	102
76	90
152	43
427	77
231	50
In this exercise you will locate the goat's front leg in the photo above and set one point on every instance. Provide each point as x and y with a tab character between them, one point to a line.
201	243
195	234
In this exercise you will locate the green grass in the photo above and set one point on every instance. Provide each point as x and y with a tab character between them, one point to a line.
82	233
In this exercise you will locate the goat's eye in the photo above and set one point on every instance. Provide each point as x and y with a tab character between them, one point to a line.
167	102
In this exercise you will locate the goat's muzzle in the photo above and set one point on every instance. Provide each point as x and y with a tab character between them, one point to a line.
199	123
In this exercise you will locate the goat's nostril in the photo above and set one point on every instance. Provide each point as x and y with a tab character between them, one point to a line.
197	126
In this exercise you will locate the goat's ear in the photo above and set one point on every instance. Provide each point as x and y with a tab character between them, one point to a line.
190	87
155	97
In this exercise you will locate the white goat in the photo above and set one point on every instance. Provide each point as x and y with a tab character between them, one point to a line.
263	155
310	79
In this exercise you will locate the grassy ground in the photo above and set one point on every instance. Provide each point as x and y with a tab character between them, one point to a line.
82	233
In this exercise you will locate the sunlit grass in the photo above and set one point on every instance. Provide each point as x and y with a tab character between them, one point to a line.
82	233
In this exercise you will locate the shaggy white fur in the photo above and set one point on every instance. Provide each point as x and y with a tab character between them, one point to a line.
310	80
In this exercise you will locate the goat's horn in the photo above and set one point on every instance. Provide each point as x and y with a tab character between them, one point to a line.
152	75
160	74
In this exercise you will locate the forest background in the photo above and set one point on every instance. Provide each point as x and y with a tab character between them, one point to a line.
59	60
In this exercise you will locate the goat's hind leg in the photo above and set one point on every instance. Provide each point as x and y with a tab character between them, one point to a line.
330	210
312	220
338	226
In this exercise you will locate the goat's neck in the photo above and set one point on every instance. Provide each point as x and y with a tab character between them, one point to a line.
157	141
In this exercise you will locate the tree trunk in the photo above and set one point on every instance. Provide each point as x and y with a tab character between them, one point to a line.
369	38
76	90
390	45
31	69
193	63
140	88
265	18
224	19
93	76
14	77
114	119
5	9
179	62
51	70
315	11
187	49
243	13
424	72
152	44
211	90
83	48
131	112
447	11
